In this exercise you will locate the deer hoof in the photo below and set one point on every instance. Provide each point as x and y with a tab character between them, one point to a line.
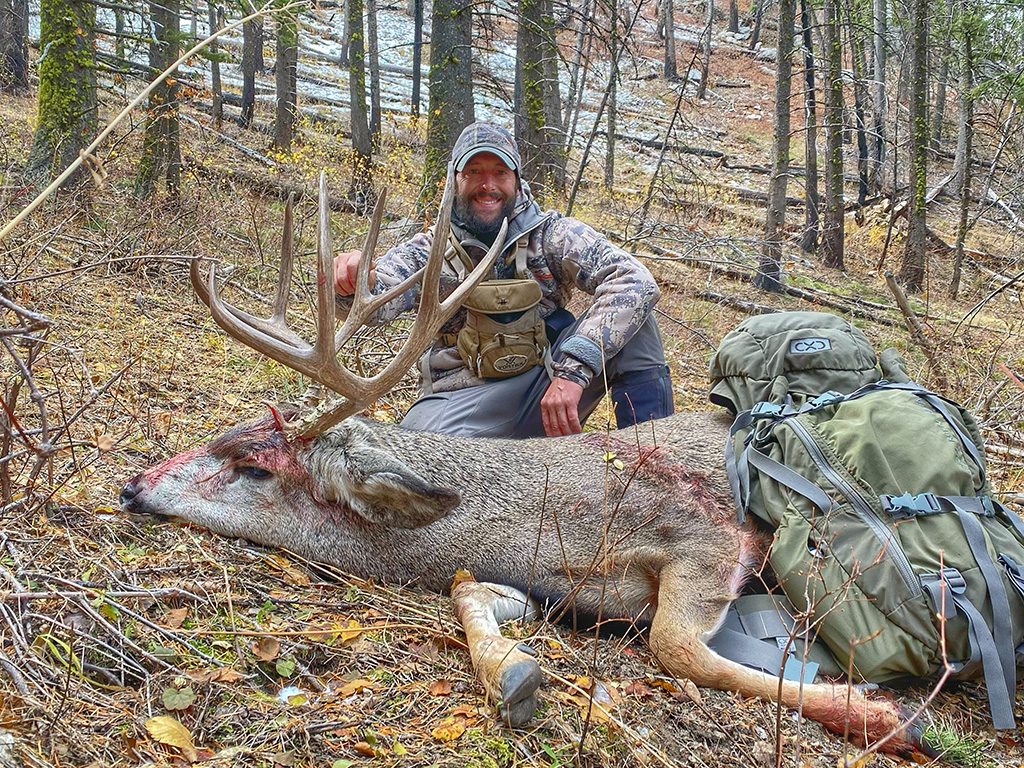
519	683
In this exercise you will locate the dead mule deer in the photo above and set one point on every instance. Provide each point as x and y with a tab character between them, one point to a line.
546	521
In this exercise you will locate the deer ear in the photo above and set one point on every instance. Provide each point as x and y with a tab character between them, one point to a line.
386	491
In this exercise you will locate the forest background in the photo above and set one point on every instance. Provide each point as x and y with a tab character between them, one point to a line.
860	158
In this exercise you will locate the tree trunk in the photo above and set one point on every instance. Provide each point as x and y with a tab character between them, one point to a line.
218	97
667	19
755	33
252	41
537	128
417	54
578	72
964	140
705	67
769	271
66	119
613	88
346	36
373	62
860	98
880	26
734	16
362	145
119	33
451	88
913	264
939	113
261	64
161	143
809	238
286	77
832	234
13	46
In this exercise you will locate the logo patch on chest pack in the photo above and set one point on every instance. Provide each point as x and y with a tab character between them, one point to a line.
510	363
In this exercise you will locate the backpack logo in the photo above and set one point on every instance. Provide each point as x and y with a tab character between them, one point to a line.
809	345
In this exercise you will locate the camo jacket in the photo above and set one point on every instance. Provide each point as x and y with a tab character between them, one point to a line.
562	254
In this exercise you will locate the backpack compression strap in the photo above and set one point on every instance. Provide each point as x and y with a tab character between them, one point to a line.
948	592
760	632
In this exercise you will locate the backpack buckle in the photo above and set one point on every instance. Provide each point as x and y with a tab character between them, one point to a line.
909	505
826	398
765	410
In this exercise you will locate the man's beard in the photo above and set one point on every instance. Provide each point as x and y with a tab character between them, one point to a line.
486	231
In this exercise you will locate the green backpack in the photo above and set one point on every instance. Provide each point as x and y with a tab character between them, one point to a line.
875	487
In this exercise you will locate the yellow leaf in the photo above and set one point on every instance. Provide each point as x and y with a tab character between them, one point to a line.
168	730
355	686
350	631
399	749
449	729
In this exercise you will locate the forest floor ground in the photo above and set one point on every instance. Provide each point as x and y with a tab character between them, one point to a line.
252	657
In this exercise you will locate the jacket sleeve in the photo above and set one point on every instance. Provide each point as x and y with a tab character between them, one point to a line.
392	268
624	294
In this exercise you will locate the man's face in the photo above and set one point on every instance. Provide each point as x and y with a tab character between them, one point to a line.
485	194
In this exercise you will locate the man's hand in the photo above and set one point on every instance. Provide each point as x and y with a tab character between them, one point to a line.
346	265
559	408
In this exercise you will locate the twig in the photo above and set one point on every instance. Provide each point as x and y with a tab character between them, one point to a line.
917	331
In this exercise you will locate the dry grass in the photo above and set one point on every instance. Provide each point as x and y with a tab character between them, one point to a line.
101	615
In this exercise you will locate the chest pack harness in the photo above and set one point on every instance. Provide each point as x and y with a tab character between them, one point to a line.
504	332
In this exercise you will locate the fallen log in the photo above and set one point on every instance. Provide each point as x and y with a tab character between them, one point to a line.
279	189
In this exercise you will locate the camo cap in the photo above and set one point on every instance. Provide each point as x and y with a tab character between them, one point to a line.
485	137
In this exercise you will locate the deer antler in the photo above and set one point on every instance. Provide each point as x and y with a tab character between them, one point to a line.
319	360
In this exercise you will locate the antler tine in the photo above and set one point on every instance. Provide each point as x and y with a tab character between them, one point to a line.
271	326
292	354
429	296
370	247
284	277
364	303
325	349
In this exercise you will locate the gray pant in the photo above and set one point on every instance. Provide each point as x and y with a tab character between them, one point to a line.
511	407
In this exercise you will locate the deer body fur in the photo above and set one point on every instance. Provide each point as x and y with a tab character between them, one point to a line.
625	525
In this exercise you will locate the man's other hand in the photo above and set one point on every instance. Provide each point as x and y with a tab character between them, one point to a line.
346	265
559	408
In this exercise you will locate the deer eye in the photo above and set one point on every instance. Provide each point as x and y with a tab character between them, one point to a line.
255	473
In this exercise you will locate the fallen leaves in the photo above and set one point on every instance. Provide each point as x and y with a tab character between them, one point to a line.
219	675
168	730
355	686
266	648
175	617
440	688
453	726
449	729
178	698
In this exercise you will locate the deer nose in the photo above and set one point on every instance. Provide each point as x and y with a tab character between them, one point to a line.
129	492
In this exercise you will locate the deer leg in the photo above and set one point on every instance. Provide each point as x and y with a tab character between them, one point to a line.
507	668
690	607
